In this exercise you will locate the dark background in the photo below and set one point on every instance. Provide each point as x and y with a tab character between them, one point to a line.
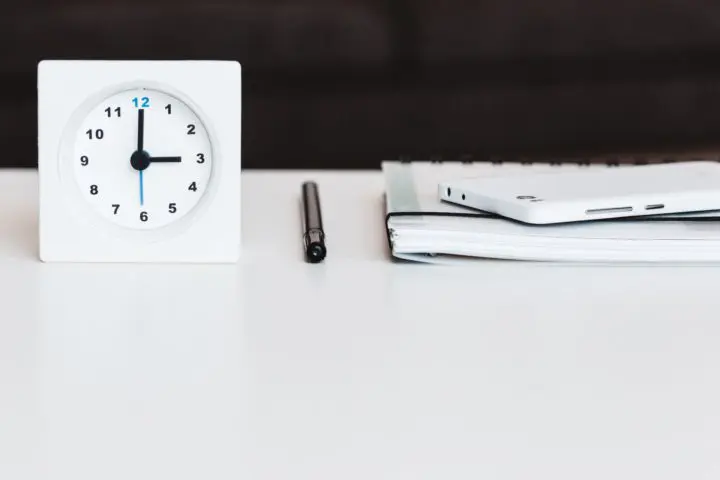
346	84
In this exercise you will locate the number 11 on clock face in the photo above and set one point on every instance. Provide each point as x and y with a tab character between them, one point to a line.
143	159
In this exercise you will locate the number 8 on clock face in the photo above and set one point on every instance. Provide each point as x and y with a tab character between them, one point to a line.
142	158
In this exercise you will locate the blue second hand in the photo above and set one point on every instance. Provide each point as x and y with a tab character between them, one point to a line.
142	193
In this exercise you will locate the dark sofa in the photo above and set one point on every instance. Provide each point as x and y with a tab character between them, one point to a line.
345	84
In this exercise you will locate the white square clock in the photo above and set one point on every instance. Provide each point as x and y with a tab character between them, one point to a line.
139	161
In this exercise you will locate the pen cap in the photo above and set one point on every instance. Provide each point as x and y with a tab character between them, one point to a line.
314	235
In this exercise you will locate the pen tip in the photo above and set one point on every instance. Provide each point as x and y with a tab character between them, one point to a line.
316	253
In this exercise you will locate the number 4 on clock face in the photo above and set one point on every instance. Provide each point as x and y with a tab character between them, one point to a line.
144	157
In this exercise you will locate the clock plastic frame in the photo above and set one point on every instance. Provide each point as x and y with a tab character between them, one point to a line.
70	230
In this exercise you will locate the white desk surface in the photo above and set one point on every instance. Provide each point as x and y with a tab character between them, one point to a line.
359	368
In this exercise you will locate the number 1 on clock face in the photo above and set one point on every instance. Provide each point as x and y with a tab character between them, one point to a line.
143	159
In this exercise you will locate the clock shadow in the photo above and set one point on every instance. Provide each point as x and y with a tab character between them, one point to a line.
21	240
19	229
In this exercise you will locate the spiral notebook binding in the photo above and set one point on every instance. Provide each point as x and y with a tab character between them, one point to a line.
611	161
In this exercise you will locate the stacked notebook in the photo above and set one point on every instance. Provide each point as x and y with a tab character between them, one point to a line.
422	228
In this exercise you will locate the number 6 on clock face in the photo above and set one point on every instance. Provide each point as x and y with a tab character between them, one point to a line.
139	161
144	158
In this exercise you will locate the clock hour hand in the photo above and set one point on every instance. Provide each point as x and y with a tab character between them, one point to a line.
165	159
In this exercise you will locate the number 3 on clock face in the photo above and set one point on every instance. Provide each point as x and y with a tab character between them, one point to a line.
142	158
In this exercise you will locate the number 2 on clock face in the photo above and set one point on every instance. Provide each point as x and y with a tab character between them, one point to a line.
142	159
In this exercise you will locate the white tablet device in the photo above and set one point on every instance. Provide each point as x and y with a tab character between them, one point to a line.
593	194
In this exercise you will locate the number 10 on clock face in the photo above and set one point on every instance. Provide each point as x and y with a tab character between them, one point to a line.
142	158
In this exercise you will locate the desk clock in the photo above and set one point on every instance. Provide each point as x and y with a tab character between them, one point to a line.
139	161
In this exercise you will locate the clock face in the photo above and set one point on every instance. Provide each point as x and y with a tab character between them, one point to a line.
142	158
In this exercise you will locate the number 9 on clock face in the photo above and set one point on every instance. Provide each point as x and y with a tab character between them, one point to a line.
142	158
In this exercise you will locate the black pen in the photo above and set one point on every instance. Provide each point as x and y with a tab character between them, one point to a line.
315	250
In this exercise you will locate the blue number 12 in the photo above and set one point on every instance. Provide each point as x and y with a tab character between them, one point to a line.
143	102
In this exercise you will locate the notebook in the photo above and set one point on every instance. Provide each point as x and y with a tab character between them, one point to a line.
421	228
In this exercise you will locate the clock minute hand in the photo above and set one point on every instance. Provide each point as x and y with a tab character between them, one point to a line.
140	153
141	130
165	159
